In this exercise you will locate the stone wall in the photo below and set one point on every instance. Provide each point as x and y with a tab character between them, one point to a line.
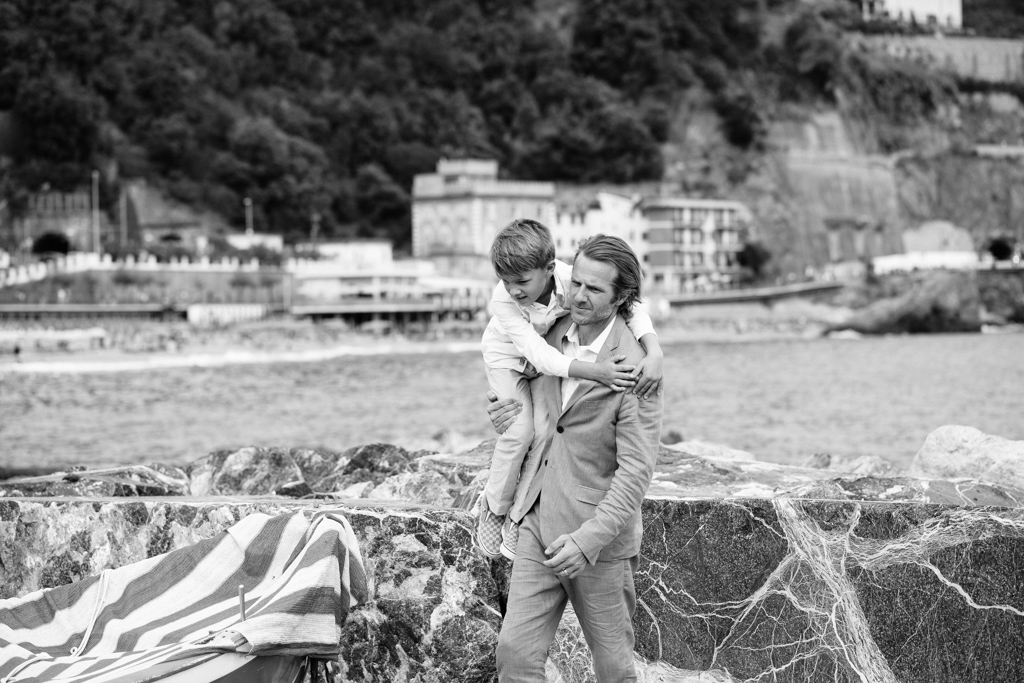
741	589
748	571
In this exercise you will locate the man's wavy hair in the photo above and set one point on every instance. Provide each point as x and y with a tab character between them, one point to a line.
521	246
629	276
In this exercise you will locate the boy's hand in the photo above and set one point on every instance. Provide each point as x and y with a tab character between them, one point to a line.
502	413
649	374
613	375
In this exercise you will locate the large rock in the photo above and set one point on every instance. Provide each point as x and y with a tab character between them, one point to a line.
941	301
1002	294
958	452
129	480
432	615
727	589
383	472
247	471
693	469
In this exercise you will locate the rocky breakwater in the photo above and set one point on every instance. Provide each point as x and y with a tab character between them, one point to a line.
935	301
749	571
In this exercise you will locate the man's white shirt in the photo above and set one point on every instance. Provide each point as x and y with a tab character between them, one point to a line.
571	347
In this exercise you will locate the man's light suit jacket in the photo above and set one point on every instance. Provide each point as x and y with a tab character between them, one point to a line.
595	459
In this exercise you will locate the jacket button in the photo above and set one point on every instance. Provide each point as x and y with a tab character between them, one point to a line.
545	462
559	429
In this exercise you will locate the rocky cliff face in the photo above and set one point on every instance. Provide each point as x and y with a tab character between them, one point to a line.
825	168
748	571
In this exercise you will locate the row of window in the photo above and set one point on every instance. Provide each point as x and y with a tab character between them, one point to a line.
695	217
691	259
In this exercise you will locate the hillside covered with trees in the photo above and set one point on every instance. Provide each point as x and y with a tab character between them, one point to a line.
333	106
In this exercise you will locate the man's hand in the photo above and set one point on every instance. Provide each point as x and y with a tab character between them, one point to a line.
566	558
614	375
649	374
502	412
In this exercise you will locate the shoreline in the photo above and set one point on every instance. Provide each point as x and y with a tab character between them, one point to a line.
228	350
115	360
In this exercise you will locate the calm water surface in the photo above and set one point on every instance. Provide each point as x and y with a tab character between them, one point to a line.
782	401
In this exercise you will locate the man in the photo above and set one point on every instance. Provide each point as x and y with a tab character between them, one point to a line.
597	447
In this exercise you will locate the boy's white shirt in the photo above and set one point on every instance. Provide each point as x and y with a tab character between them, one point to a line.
515	333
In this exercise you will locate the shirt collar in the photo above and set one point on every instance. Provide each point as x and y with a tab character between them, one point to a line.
573	335
559	292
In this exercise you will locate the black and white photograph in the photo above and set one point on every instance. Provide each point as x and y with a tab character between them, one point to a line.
511	341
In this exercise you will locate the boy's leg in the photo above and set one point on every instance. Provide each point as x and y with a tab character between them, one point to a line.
531	463
511	447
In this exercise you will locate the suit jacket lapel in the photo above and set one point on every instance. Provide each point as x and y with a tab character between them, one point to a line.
610	344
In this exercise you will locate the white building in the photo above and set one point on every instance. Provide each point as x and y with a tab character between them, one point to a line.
683	244
939	13
691	244
243	241
457	211
349	255
608	213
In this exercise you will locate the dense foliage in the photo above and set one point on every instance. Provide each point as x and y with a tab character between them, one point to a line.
995	18
332	107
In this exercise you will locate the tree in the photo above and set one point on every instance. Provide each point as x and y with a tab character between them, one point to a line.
754	256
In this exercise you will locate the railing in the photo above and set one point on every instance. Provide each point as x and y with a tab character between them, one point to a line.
80	262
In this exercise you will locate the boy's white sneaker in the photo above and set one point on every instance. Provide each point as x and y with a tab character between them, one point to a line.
509	538
488	531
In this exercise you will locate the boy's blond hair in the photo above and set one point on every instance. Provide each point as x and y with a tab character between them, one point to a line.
520	246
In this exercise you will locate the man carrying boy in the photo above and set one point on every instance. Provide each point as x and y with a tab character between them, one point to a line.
580	538
530	298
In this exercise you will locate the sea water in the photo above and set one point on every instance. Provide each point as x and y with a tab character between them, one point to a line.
780	400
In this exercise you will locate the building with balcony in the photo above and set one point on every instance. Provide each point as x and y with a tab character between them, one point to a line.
692	244
457	211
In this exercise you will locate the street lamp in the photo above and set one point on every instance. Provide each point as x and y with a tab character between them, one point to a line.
248	215
96	210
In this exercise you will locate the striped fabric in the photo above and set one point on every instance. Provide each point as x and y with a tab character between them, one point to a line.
301	576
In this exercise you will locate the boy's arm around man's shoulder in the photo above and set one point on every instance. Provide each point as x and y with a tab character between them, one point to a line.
544	357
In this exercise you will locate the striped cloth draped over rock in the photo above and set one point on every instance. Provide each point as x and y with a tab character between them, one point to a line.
300	577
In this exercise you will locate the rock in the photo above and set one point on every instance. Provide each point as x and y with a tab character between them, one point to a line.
360	490
864	465
128	481
941	301
671	436
813	590
250	471
294	489
320	467
695	469
373	462
433	612
702	449
956	452
728	589
1002	294
432	488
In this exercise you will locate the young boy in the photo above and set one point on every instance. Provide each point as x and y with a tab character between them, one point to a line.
532	295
